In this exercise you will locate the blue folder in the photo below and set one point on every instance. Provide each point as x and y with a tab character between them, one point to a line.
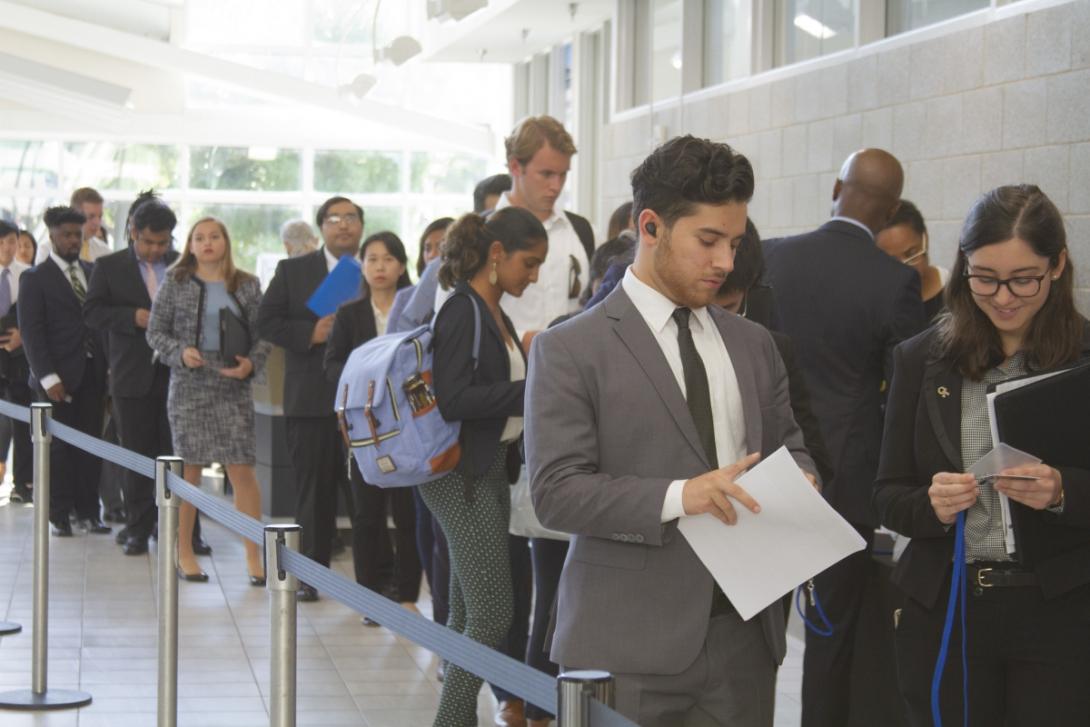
340	286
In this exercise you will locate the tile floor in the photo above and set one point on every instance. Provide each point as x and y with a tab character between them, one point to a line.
102	639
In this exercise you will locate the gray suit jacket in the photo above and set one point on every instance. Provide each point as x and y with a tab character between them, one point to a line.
607	430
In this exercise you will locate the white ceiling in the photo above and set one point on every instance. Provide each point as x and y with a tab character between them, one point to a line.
510	31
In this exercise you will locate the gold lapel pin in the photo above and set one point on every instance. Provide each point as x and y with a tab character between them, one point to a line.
943	392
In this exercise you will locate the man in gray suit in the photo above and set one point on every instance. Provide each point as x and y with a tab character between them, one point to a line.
632	410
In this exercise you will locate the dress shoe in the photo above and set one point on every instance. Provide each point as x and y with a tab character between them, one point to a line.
306	593
22	493
200	547
511	713
257	581
61	529
198	577
96	526
135	546
122	536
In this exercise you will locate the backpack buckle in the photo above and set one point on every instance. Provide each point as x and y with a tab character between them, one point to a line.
369	414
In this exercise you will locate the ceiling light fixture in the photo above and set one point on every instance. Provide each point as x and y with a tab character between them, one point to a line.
813	26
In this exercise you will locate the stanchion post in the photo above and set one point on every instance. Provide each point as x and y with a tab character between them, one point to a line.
168	591
281	586
38	697
575	689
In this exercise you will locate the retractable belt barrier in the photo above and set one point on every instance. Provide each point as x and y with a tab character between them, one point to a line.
579	699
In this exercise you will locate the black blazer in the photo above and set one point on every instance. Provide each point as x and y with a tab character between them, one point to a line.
845	304
116	290
481	400
285	320
55	337
353	326
922	437
800	407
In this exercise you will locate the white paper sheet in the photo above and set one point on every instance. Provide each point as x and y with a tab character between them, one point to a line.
761	557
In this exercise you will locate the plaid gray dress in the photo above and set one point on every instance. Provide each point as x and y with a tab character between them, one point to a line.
211	416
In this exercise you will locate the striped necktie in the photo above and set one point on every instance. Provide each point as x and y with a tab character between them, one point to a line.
77	283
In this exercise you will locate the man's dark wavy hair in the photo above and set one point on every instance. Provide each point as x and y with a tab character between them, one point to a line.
687	171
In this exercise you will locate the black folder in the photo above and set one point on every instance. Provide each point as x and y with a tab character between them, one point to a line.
234	337
1049	418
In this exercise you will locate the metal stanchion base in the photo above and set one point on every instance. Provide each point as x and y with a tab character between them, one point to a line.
7	628
26	699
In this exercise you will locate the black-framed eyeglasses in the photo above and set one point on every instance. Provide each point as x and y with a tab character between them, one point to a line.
1021	286
575	285
334	220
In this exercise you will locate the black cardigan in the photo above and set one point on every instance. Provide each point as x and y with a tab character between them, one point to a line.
353	326
922	437
481	400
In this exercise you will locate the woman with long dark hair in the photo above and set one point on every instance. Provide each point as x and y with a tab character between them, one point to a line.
210	405
481	261
1010	312
356	323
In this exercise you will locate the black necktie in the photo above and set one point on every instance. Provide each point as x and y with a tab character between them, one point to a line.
697	394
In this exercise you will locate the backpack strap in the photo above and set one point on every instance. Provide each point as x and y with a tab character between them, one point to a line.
476	324
584	231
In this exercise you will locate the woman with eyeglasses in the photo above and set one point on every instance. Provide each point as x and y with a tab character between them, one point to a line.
905	240
1011	312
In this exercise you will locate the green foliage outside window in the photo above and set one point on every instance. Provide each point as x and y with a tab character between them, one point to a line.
345	172
232	167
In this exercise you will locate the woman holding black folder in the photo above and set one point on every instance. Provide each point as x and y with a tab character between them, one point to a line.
209	404
1010	312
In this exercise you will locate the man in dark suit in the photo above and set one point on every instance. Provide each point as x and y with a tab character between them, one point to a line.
13	366
846	304
119	297
67	367
313	439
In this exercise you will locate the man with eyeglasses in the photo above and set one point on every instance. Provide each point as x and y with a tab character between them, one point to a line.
846	304
118	304
314	444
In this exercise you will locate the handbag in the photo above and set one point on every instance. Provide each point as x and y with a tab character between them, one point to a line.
234	336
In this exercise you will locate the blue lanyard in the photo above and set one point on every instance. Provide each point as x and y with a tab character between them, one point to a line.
826	629
955	603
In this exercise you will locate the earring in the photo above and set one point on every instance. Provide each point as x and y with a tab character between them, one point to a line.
492	277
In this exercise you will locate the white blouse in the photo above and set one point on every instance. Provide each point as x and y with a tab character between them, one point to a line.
513	428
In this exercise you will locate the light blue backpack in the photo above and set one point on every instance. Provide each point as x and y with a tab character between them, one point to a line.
388	413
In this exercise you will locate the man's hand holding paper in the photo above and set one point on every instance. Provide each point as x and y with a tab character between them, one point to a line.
793	535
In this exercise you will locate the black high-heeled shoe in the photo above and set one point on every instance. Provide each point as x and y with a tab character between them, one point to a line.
198	577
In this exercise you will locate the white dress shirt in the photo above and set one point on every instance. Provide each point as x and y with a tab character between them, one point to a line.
547	299
50	379
17	269
330	259
726	398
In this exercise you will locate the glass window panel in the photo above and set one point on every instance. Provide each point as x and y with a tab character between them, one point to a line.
245	22
446	173
357	171
253	228
335	21
105	165
658	29
27	212
812	28
383	219
27	165
246	168
726	40
904	15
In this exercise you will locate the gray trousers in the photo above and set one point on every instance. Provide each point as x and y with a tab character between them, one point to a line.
732	683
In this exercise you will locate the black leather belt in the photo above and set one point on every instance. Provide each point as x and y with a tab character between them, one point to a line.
999	575
721	605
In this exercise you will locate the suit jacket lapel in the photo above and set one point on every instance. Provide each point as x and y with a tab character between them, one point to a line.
61	280
638	339
942	396
137	275
742	361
